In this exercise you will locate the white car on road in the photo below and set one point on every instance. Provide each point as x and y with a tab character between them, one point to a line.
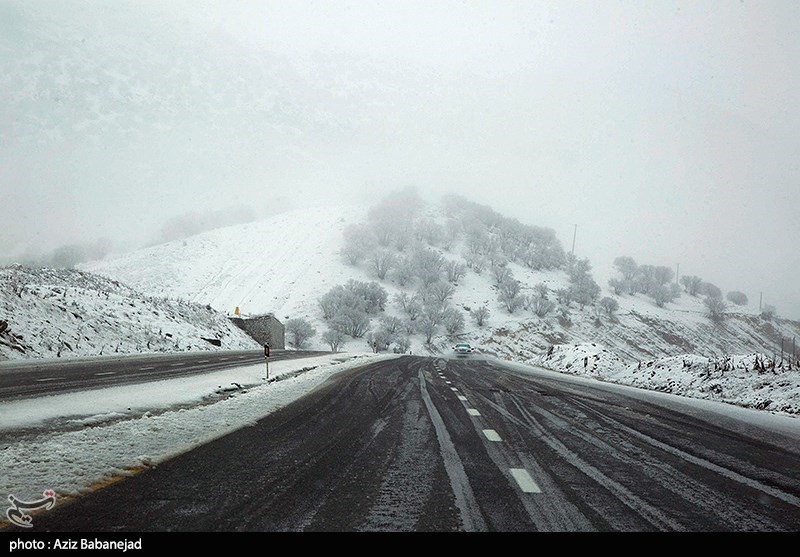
463	349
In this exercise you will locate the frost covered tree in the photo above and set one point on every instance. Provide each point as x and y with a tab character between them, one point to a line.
508	292
391	220
736	297
358	242
715	307
428	265
440	291
541	290
501	273
403	343
452	231
453	321
299	331
379	339
710	290
582	289
428	324
428	231
455	270
381	261
609	305
626	267
661	294
691	284
347	308
480	315
403	271
351	321
540	306
391	324
333	338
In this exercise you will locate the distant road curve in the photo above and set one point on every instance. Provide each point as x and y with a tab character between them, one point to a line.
34	378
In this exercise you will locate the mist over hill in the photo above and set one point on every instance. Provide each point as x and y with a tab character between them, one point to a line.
458	256
406	276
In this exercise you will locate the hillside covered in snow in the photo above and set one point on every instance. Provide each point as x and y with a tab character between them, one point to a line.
407	276
285	265
54	313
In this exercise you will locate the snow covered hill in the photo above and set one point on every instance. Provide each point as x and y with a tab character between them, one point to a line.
280	265
174	295
283	265
49	313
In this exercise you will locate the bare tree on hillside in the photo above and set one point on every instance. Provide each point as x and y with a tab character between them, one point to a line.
691	284
391	324
428	265
404	271
609	305
428	324
736	297
627	267
509	294
429	231
476	262
453	321
501	273
439	291
480	315
711	290
358	242
299	331
455	271
716	307
540	306
452	231
661	295
333	338
381	261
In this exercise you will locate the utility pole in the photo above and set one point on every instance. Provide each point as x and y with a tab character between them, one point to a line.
574	234
677	272
760	298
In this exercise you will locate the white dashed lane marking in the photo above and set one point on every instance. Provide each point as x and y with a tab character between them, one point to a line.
524	480
521	476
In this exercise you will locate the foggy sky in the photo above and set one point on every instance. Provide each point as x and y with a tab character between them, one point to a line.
666	131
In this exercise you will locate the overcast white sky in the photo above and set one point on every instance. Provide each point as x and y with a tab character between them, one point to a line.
665	131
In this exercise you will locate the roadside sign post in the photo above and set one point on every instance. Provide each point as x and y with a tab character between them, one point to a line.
266	361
